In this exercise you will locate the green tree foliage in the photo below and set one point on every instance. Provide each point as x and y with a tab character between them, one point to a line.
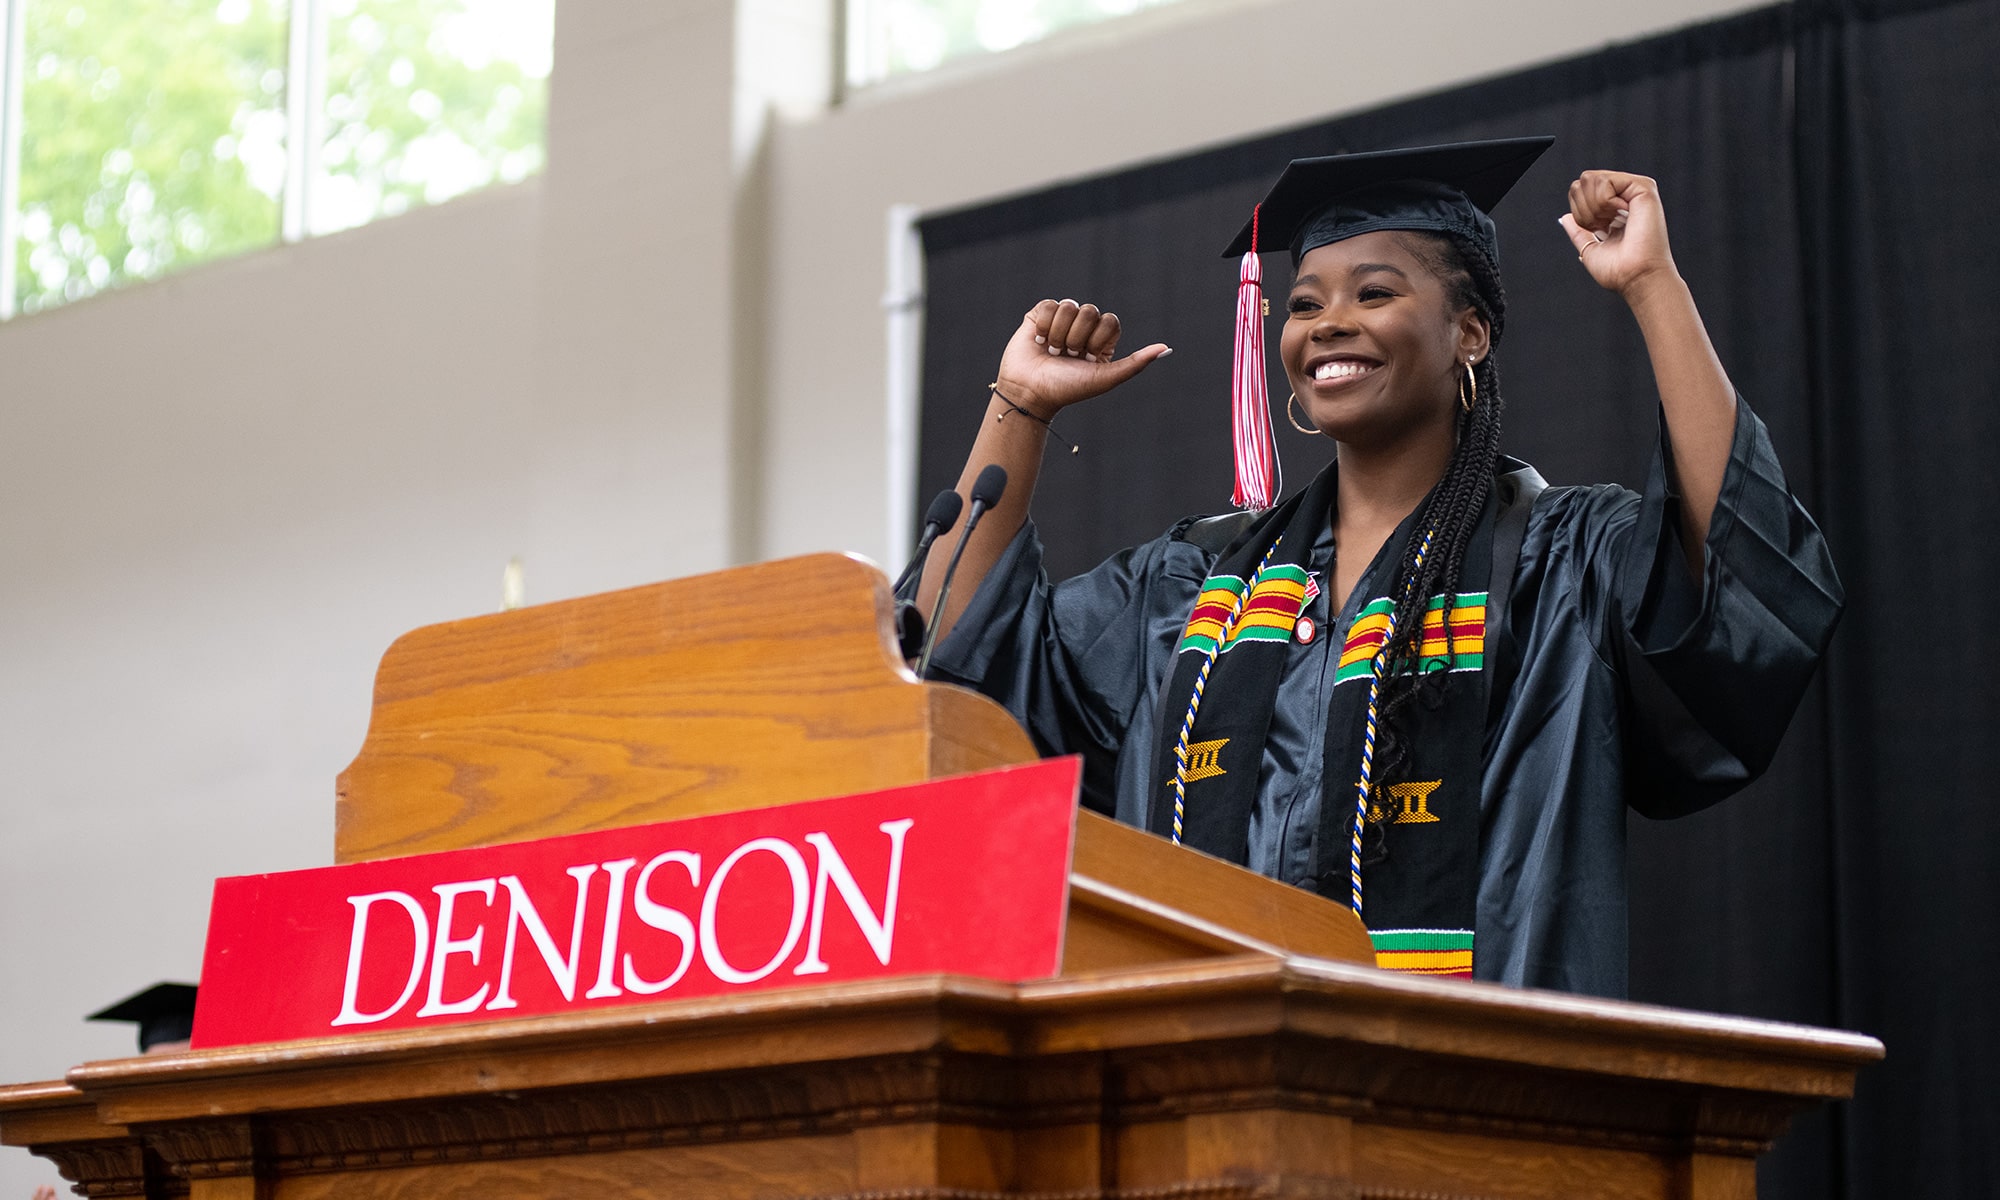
135	115
427	99
153	130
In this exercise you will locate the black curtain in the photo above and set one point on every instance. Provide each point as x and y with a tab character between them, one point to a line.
1829	171
1897	115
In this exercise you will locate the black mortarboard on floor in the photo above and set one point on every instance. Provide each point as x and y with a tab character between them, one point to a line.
163	1013
1319	201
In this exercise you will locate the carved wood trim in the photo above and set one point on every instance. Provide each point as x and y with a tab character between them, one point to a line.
100	1168
111	1167
825	1098
205	1149
994	1092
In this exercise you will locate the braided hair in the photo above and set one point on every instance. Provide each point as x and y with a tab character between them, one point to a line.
1450	513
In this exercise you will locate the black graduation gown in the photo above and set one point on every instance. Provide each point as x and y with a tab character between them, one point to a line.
1632	685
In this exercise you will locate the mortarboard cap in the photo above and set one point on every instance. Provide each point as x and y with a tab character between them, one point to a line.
1436	189
163	1013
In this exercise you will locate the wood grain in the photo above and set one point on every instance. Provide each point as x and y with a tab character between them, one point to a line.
756	686
49	1111
1215	892
234	1187
1716	1177
781	1167
1473	1164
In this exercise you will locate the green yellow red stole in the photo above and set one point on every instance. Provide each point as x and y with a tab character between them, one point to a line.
1403	850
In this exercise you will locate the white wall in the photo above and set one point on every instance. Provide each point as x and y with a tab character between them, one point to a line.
223	494
220	496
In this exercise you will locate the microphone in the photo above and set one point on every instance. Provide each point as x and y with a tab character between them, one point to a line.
986	492
938	519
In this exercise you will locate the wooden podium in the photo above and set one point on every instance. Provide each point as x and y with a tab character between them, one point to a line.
1213	1034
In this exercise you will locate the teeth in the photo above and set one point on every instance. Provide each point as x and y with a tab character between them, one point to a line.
1342	370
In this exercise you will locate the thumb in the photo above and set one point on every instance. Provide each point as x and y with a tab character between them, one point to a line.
1135	362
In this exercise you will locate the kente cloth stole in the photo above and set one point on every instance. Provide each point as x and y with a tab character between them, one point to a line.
1421	850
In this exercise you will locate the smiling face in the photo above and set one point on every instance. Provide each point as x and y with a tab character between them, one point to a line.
1374	344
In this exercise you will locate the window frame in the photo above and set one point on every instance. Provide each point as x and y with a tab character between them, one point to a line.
13	35
305	116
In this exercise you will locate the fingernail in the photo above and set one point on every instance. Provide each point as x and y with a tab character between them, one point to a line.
1167	351
1072	353
1054	351
1040	340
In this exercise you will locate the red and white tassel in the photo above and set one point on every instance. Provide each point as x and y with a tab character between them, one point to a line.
1249	401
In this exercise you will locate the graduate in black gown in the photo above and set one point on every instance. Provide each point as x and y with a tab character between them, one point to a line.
1427	685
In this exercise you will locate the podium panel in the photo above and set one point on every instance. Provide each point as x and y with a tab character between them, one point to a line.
739	689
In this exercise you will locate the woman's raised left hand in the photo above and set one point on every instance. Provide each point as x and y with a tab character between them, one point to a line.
1619	228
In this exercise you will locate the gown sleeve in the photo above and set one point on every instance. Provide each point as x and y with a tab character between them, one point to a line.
1712	671
1073	660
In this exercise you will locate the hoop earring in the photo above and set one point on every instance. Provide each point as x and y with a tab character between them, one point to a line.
1463	401
1295	421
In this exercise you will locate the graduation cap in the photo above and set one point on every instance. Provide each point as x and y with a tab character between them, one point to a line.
1318	201
163	1013
1437	189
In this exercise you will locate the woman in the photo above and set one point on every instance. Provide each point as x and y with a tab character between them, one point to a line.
1506	666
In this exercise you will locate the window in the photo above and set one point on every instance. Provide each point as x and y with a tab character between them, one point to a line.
426	99
892	37
144	135
152	135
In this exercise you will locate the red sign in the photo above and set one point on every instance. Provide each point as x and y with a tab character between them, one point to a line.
965	876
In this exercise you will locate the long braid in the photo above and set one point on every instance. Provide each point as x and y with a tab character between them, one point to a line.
1450	514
